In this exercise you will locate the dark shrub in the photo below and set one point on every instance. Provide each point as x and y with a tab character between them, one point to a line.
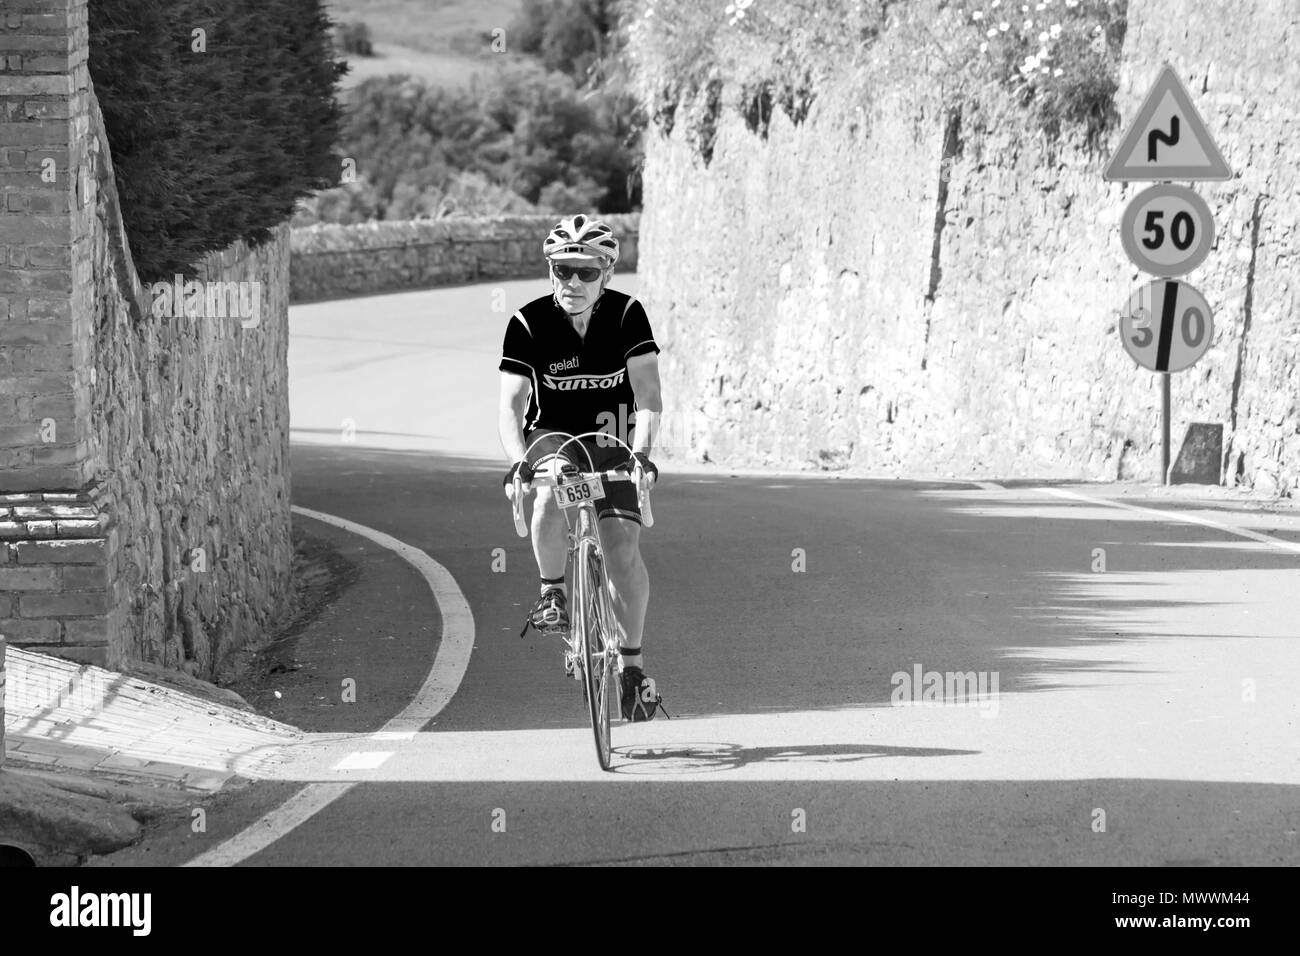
215	135
355	38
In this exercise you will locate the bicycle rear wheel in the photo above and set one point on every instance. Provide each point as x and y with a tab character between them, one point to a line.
597	663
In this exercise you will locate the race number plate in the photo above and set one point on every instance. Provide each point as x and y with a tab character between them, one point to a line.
573	493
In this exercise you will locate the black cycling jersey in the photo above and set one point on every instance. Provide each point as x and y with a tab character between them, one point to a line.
578	384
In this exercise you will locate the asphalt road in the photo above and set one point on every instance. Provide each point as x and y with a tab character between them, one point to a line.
1143	714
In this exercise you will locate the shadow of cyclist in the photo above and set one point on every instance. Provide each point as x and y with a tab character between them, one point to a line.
714	757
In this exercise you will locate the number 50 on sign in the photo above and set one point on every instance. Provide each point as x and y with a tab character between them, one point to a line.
1167	230
1166	326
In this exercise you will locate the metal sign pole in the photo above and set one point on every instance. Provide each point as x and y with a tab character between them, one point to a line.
1164	427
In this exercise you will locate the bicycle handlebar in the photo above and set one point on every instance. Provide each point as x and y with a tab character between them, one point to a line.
540	477
515	492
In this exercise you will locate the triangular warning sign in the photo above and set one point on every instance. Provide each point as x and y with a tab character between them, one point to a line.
1168	140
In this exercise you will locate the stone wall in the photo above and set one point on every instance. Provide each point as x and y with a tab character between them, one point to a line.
192	420
143	449
332	261
877	295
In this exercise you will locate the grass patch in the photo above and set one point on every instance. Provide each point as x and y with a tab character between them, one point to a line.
1059	59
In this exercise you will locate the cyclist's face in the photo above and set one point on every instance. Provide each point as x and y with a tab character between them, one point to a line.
574	294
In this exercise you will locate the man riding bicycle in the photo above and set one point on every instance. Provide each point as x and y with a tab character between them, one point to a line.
571	362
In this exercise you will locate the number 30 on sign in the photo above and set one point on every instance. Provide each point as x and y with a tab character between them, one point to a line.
1166	326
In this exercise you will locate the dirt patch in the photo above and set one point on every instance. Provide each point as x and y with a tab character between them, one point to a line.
320	574
62	818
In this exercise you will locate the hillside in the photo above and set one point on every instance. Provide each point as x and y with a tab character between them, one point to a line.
442	41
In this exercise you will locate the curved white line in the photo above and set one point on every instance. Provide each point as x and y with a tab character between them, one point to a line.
434	694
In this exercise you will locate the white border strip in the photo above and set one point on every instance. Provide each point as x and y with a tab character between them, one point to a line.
1177	516
439	687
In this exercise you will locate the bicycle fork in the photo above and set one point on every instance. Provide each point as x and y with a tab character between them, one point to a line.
573	653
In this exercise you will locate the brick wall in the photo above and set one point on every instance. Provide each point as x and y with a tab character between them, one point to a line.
43	332
144	503
333	261
850	313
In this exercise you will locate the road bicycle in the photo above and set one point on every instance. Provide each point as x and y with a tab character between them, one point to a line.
592	643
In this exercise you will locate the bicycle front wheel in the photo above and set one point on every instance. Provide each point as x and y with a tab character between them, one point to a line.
598	665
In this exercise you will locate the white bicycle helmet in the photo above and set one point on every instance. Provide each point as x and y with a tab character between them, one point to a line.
581	237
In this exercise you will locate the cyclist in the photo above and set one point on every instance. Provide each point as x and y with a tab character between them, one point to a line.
583	359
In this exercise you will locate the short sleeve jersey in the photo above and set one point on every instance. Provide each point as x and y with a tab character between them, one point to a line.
577	380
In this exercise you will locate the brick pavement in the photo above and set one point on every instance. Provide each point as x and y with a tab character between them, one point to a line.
64	715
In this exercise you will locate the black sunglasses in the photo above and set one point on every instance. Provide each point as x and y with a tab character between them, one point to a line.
563	273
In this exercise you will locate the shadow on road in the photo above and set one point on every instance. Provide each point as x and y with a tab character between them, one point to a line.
814	594
709	757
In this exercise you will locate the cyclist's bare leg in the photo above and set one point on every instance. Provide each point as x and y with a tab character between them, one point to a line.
630	581
550	537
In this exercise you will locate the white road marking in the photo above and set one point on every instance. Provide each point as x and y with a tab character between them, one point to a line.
439	686
364	760
988	485
1177	516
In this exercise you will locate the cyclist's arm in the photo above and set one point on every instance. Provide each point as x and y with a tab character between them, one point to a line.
515	390
643	374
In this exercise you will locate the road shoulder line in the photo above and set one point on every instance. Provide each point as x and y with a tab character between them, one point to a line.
449	665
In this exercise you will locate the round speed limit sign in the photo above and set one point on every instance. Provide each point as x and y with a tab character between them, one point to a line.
1166	326
1167	230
